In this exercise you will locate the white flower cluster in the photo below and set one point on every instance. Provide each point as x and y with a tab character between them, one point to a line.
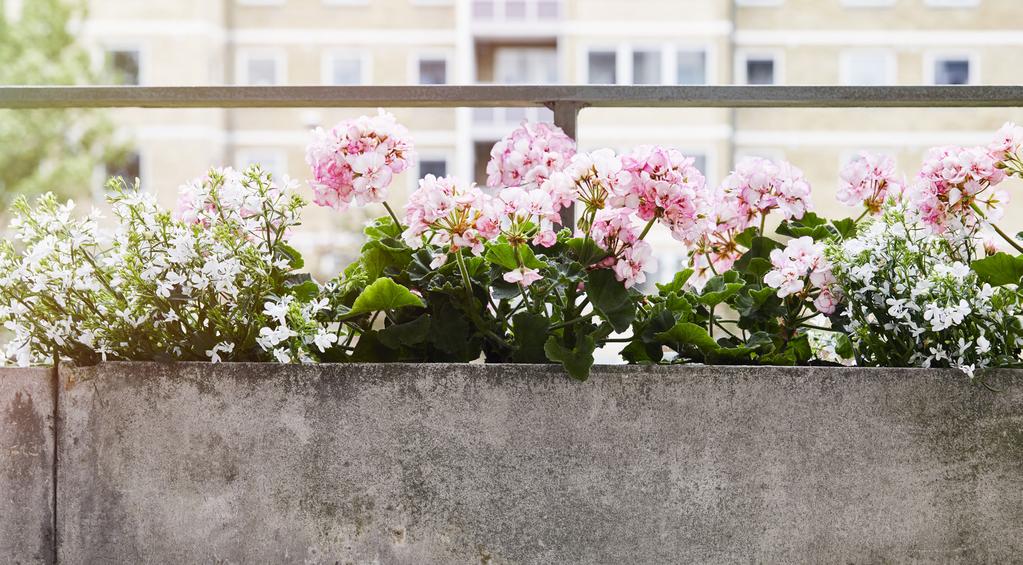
185	288
913	302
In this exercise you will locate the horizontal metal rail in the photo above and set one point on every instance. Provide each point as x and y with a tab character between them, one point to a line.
508	96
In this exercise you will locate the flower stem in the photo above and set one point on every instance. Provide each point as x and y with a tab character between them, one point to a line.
394	216
649	225
1005	236
861	216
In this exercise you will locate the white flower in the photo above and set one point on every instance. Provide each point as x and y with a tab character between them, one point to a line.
324	339
223	347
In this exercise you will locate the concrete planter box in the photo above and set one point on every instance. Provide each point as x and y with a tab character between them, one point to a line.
26	465
519	464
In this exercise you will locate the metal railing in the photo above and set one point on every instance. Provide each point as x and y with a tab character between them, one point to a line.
564	101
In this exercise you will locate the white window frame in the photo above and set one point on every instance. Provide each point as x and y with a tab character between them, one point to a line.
952	3
932	57
244	55
891	65
742	56
416	58
365	65
280	156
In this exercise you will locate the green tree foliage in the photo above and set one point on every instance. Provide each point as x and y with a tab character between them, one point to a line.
49	149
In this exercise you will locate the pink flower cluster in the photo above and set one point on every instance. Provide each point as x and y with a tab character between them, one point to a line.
756	187
357	160
666	185
529	155
611	197
523	210
1007	142
744	199
953	184
450	212
800	268
868	179
628	256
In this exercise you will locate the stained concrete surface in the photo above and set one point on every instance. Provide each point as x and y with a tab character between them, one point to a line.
519	464
26	465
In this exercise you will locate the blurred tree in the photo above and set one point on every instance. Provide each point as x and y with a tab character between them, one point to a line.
54	150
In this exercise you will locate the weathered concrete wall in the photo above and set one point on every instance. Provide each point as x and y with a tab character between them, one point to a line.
519	464
26	465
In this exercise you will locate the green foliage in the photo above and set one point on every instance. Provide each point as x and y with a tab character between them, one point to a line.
999	269
49	149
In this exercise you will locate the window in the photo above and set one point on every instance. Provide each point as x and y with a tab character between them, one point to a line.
273	161
261	68
691	67
646	66
951	70
432	70
699	161
343	70
868	68
868	3
526	65
758	69
127	169
123	64
261	2
759	3
602	67
437	167
515	9
952	3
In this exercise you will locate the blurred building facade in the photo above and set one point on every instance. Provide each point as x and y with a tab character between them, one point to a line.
691	42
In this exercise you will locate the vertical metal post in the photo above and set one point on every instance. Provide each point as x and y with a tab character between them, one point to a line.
566	117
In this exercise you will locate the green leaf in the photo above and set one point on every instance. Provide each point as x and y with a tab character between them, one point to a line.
677	284
384	294
999	269
844	347
503	254
407	334
451	333
846	228
611	299
716	297
294	258
577	361
586	251
688	333
381	228
758	267
809	225
306	291
530	335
